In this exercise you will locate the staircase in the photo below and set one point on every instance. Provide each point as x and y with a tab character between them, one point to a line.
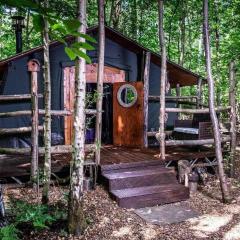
143	184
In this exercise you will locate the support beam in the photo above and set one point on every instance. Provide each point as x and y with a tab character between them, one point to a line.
233	116
60	149
146	93
162	80
19	97
157	98
100	76
194	142
199	93
34	68
12	131
191	111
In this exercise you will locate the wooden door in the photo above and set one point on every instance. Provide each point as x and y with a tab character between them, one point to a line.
111	75
128	122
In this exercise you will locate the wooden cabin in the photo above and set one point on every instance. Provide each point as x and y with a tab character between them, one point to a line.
130	117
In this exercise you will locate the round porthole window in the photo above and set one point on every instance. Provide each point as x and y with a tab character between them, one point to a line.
127	95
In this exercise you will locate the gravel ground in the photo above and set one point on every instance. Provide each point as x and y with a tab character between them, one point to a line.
108	221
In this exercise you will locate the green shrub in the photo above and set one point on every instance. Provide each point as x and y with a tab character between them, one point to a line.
37	215
9	232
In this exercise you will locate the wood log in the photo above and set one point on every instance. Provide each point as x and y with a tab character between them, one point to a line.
42	112
17	97
153	134
191	111
199	93
216	132
162	80
100	76
60	149
11	131
157	98
180	102
233	116
193	142
34	68
146	93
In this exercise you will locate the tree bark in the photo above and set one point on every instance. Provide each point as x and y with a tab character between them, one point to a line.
76	219
146	94
233	116
163	80
116	9
216	131
100	76
33	67
47	120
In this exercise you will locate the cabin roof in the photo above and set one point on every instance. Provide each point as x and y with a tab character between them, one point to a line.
176	73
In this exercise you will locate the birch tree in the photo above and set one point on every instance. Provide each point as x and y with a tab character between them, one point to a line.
216	131
100	75
47	103
163	81
76	220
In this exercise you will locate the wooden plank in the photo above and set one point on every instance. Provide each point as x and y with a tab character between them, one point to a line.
157	98
128	122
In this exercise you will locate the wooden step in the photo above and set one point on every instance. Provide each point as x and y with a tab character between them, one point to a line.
150	195
140	177
116	167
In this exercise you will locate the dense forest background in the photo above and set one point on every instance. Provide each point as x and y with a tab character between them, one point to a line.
138	19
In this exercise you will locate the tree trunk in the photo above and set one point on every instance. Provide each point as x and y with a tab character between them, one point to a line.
76	219
182	33
216	131
100	77
163	80
233	116
47	120
33	67
116	9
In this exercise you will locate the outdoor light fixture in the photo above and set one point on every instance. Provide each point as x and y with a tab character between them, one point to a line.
18	25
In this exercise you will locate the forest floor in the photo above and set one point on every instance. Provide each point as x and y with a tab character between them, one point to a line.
106	221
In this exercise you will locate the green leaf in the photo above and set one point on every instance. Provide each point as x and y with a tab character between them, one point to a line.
81	54
72	24
84	45
38	22
85	36
71	54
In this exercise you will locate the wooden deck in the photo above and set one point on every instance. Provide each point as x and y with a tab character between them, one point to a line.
12	165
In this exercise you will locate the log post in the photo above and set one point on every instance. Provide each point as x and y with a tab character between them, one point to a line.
199	93
100	77
34	68
163	80
178	94
146	94
233	116
216	132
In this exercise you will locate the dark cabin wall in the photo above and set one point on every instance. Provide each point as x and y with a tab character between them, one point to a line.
18	82
154	89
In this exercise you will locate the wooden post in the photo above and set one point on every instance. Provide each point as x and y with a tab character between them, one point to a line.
216	132
233	116
76	218
199	93
163	81
34	68
146	94
100	77
178	94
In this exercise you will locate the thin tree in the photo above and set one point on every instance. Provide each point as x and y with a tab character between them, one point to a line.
216	131
47	103
100	75
76	219
163	80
